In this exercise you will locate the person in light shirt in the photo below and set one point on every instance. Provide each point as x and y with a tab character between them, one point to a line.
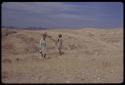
59	44
43	45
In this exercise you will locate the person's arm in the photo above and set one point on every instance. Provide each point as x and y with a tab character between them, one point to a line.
61	42
40	43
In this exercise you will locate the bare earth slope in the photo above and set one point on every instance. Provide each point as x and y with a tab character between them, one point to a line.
90	56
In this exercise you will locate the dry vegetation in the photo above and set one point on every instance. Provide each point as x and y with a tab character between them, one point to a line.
90	56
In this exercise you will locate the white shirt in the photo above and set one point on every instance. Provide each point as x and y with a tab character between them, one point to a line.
59	43
42	44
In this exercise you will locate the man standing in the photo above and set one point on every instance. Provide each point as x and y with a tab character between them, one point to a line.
43	45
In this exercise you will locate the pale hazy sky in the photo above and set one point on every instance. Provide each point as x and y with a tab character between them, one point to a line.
63	14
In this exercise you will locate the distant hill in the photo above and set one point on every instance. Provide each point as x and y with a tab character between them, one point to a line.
26	28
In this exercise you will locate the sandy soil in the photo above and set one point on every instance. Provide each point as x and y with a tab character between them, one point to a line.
90	56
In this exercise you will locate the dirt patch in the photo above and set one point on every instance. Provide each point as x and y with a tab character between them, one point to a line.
7	60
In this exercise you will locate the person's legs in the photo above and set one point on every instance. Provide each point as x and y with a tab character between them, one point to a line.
60	52
44	55
41	53
44	52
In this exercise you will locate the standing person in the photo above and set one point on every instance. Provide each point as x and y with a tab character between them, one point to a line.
43	45
59	43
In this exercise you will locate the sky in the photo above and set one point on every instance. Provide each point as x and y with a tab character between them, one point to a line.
63	14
